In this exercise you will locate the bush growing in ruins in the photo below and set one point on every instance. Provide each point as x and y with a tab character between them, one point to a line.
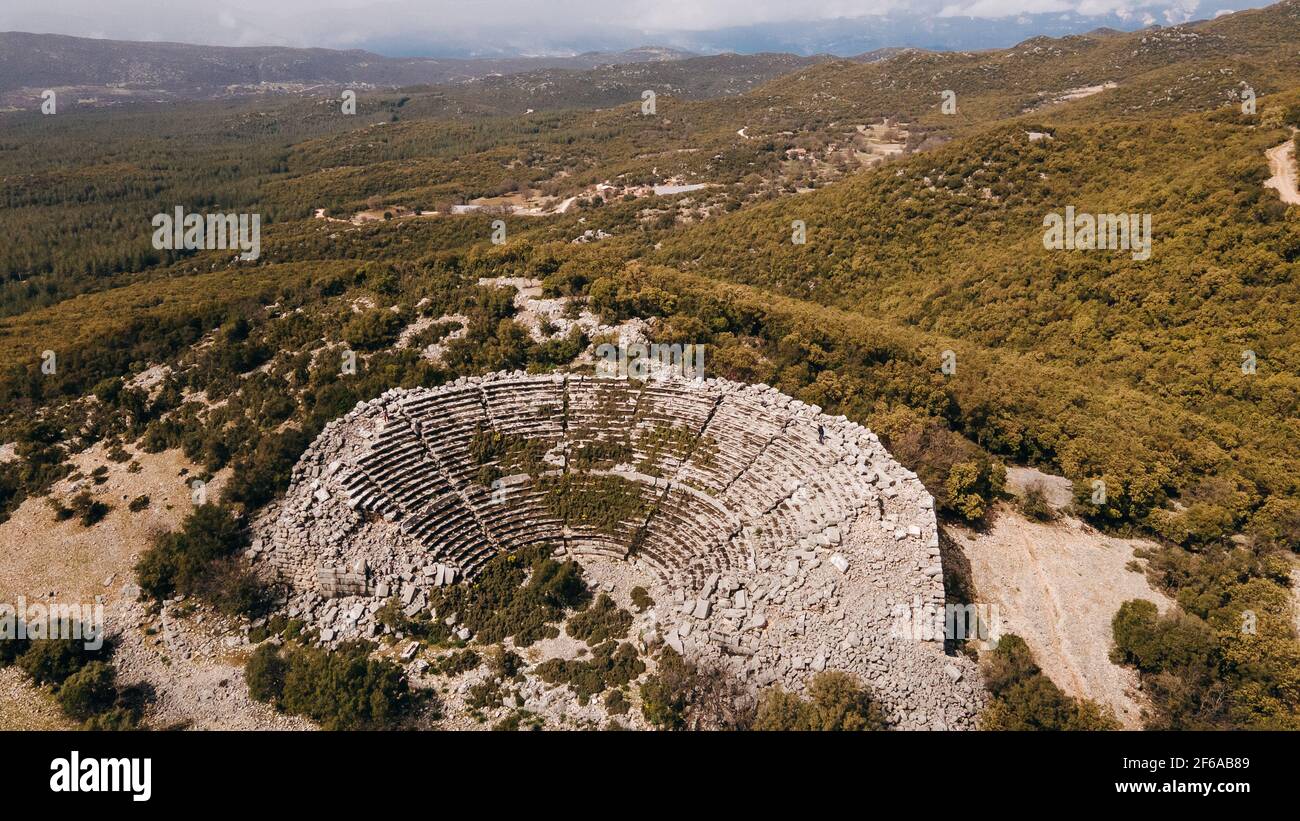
199	560
600	453
516	595
422	626
681	695
455	663
641	600
341	689
506	453
602	621
612	664
232	587
672	440
600	501
837	702
1025	699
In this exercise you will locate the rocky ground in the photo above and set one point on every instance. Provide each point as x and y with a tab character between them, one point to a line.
1057	586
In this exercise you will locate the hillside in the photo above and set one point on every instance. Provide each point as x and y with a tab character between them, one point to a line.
38	61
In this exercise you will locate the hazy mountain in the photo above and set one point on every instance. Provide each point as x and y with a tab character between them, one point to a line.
39	61
843	36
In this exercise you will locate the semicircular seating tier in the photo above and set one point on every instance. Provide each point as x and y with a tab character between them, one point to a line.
689	477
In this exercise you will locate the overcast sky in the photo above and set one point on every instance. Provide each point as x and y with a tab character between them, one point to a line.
366	23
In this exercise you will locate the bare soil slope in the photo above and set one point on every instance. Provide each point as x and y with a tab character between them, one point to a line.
1058	586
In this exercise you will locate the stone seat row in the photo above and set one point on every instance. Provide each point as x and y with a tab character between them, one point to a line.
761	465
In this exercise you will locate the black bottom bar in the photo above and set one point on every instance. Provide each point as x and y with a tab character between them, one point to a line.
385	771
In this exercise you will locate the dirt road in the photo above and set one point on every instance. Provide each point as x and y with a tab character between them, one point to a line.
1281	161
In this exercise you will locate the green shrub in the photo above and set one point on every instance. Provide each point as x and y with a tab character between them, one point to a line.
1035	506
200	560
265	672
516	595
373	329
1228	656
601	501
453	664
88	510
611	665
1008	664
232	587
115	719
964	479
11	647
484	695
520	720
641	599
1025	699
665	695
89	691
419	626
616	703
1038	704
264	472
341	689
680	695
52	661
837	702
602	621
504	664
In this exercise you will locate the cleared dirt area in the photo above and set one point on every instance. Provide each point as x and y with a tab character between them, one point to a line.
25	707
47	560
74	562
1058	586
1281	161
1057	490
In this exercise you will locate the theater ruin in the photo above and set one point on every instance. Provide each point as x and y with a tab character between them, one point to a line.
775	540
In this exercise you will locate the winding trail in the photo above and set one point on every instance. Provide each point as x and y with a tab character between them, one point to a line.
1281	161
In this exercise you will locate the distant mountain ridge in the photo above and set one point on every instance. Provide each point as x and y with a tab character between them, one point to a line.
942	29
55	60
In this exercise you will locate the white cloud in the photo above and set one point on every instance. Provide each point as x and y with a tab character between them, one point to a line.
347	23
